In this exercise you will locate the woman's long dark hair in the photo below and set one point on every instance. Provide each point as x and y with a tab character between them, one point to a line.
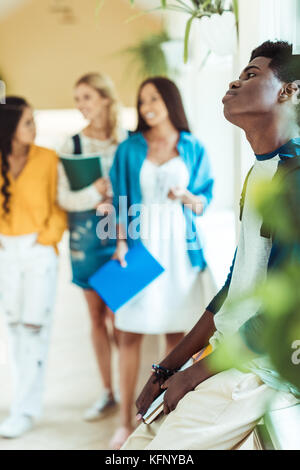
10	115
172	99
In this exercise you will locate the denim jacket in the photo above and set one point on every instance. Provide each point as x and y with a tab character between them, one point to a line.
125	178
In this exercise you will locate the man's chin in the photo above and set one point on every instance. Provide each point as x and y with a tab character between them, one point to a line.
231	117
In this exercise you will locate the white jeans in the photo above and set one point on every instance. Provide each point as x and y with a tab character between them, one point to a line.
28	273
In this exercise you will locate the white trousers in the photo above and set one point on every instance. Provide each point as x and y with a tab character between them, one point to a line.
28	273
218	415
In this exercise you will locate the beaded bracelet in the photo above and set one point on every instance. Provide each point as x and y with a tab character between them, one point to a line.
163	372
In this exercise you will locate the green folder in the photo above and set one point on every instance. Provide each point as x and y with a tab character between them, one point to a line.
81	170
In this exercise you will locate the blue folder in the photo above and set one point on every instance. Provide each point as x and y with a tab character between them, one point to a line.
117	285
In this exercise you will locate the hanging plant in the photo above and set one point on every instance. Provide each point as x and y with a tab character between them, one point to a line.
196	9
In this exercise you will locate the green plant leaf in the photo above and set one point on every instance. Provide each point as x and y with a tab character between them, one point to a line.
281	334
235	5
177	8
230	354
186	38
141	13
203	63
147	56
186	7
278	295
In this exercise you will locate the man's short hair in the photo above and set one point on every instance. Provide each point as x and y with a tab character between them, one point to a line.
284	64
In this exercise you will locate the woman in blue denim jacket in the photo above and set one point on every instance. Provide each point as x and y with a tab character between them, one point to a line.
163	173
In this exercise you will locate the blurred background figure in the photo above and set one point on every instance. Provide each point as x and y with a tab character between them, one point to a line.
31	225
96	99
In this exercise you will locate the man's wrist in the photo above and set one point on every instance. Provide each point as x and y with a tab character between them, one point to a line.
171	364
199	372
163	372
155	379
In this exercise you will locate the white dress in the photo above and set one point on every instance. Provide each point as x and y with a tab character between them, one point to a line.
174	301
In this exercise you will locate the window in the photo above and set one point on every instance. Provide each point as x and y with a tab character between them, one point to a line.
278	20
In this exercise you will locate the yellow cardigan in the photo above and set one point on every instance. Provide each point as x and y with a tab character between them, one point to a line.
32	206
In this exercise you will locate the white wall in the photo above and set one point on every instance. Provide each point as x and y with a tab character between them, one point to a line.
261	21
202	88
55	126
207	88
297	30
278	20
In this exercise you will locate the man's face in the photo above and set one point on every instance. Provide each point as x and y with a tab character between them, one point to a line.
255	93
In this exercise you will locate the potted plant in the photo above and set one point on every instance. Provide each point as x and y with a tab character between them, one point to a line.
220	16
147	57
218	22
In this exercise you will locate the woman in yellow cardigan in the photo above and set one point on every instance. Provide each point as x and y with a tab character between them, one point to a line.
31	225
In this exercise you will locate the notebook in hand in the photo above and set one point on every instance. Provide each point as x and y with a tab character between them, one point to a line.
157	406
81	170
117	285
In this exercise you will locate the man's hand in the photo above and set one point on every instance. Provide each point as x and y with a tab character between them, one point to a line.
150	391
191	344
176	388
183	382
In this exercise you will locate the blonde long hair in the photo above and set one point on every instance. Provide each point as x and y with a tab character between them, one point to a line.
104	85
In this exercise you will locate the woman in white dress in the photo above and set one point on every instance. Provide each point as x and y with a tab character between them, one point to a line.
164	168
95	97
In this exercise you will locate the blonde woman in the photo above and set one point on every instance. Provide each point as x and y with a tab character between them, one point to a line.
95	98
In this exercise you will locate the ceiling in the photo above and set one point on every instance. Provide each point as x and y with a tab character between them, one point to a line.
7	6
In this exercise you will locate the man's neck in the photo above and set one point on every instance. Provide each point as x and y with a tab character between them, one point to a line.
267	135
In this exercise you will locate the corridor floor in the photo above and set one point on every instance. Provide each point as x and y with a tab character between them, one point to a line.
73	381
